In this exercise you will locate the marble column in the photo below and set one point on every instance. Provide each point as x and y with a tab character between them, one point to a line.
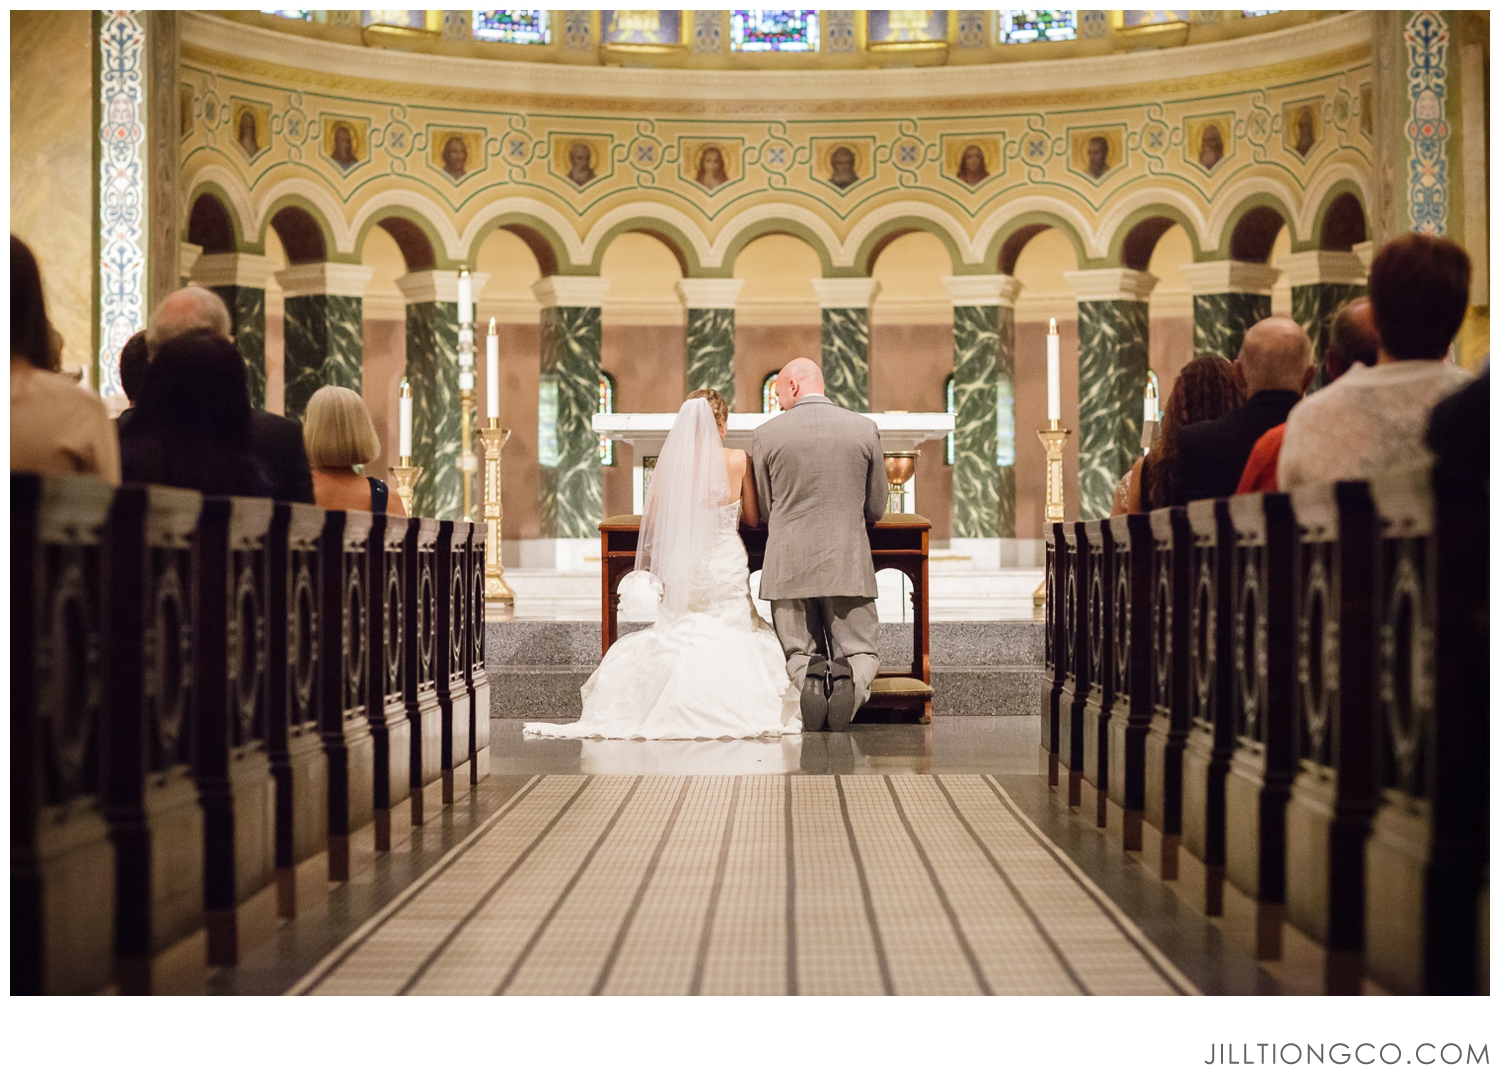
572	502
710	334
1228	298
1114	360
431	297
324	329
240	280
984	336
845	302
1322	281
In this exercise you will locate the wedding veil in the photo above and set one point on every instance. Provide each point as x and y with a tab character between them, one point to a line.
688	486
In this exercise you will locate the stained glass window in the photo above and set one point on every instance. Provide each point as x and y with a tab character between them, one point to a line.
769	404
408	18
1023	27
1005	423
513	27
301	16
949	442
606	407
773	31
1133	19
1257	14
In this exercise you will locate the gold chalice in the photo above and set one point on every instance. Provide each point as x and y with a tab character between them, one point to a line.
899	467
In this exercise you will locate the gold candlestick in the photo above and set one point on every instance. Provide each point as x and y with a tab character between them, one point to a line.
405	477
496	589
1053	438
467	465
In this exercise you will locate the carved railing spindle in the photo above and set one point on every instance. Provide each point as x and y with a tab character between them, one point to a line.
1170	715
386	705
1055	667
1097	599
452	690
478	680
422	708
1132	547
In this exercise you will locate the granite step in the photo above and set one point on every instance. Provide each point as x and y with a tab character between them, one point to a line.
979	668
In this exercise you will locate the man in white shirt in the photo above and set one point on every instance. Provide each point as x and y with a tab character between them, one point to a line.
1374	418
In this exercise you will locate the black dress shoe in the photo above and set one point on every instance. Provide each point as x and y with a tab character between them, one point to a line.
840	695
815	695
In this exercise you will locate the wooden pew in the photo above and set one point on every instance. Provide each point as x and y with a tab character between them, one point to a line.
294	740
1054	659
1210	737
423	710
344	659
151	800
1427	856
452	690
474	673
1098	601
1132	547
1075	648
1262	714
230	763
1161	833
1332	796
390	726
62	881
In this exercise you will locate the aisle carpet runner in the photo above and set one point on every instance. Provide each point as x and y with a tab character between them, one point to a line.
911	884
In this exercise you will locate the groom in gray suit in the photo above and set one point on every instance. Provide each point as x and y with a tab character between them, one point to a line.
820	477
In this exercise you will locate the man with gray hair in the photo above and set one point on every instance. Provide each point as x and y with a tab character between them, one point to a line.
275	441
186	309
1273	370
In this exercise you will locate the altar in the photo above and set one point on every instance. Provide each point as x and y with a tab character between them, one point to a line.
900	434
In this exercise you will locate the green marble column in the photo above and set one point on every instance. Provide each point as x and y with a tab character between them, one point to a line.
432	370
845	303
710	334
572	501
323	330
1228	298
1322	281
984	474
240	280
1114	321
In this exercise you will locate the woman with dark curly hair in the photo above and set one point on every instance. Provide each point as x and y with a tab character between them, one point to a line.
1204	389
192	423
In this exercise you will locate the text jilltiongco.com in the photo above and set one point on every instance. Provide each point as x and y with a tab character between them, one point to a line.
1341	1053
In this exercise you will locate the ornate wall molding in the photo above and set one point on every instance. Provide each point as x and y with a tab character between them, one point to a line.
1426	39
122	188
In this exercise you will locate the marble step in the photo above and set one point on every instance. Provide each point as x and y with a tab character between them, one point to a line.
978	668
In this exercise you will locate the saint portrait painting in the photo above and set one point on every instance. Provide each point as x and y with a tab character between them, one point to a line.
343	153
841	167
455	156
580	163
711	170
971	166
246	133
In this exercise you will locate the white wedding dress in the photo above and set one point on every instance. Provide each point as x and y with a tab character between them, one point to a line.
715	671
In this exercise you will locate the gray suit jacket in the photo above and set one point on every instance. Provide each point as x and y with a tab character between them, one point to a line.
820	477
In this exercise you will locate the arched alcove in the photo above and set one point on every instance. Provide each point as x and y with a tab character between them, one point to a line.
776	314
1255	234
1171	306
300	236
210	225
1140	242
412	242
1343	224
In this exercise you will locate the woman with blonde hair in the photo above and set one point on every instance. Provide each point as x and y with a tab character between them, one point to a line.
339	436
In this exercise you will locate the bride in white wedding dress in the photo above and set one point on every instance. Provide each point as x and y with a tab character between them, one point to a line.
710	667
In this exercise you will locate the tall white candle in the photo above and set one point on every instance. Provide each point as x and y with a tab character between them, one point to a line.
492	373
1054	372
465	298
405	411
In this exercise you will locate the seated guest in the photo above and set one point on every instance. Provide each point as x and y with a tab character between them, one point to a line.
340	437
1274	369
135	361
276	441
1205	389
192	424
1375	418
1352	340
56	425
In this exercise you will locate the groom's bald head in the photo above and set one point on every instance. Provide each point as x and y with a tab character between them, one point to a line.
797	379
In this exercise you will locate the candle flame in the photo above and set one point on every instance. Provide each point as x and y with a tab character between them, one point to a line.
1051	326
463	270
492	328
405	388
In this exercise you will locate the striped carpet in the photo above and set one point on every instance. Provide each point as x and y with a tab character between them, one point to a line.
911	884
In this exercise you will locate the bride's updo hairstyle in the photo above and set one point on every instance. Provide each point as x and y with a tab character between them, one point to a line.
716	403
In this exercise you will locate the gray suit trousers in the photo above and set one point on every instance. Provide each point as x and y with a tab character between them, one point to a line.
833	627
